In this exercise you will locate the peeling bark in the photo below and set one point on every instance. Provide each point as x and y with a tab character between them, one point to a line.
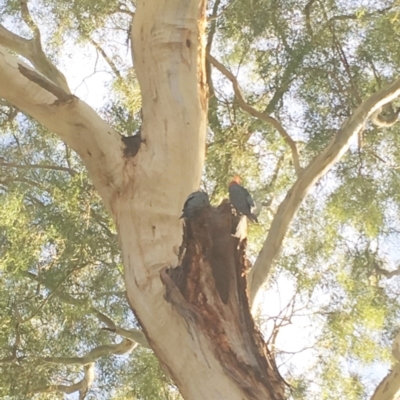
208	289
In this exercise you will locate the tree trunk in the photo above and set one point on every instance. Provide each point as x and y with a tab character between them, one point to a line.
199	327
169	61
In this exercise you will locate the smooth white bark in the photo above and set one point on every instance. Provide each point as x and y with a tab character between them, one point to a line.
31	49
74	122
389	388
169	61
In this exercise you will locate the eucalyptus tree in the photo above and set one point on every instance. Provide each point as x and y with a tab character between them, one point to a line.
301	101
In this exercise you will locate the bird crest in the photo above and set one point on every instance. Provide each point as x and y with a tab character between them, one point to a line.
236	180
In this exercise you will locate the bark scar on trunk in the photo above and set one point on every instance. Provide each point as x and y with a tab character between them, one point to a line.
132	144
208	290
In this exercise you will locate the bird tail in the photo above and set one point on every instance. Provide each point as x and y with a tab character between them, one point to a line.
253	218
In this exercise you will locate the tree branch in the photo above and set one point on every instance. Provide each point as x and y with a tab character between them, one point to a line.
82	386
78	125
124	347
88	361
14	357
385	117
43	82
109	61
255	113
388	274
15	43
389	388
318	167
210	37
26	16
32	51
133	334
36	166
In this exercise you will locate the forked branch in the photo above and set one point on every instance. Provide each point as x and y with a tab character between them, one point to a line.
318	167
32	49
257	114
78	125
88	363
82	386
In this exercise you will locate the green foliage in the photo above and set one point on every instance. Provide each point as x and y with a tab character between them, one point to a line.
309	65
59	267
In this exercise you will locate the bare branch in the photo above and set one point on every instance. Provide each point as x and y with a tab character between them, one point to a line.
124	347
135	335
39	58
109	61
317	168
385	117
45	84
82	386
255	113
132	334
103	318
210	37
15	43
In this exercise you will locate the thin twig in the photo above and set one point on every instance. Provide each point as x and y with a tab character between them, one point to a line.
36	166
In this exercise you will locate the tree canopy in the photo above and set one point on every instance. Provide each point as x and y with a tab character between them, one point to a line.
283	78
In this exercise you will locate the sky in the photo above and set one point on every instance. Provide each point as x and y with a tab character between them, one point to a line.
88	76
